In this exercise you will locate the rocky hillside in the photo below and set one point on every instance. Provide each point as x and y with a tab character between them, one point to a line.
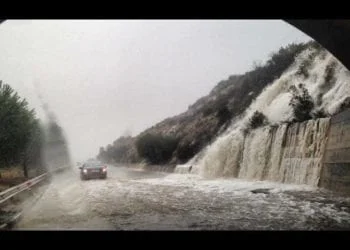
177	139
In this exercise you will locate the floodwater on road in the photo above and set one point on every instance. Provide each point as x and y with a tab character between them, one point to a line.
132	199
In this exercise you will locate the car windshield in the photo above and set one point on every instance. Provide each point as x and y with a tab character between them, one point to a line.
168	125
93	165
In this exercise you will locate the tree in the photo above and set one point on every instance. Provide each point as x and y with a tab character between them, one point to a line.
16	124
157	149
21	136
301	102
186	150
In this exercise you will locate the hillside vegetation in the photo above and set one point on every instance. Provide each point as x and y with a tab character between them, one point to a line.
177	139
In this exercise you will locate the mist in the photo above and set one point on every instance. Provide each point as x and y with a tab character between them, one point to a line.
107	78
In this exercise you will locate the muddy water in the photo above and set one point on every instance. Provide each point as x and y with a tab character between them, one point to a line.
140	200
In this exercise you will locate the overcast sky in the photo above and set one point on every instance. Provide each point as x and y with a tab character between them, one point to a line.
103	78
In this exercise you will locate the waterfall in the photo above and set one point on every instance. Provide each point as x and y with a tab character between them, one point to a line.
288	154
283	151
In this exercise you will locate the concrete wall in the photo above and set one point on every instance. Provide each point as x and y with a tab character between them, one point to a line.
336	162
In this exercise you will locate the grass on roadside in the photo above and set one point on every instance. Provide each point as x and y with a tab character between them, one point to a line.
11	176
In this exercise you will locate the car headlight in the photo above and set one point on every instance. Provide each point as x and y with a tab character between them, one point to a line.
104	169
85	171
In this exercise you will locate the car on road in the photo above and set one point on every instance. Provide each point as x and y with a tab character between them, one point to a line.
91	170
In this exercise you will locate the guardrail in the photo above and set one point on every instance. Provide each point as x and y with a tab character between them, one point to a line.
11	192
11	221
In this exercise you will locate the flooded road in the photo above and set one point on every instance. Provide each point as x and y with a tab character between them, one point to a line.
131	199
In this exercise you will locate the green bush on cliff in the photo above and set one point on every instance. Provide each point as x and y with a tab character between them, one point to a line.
257	120
301	103
224	115
156	149
186	151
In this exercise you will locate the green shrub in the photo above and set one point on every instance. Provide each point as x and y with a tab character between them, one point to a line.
156	149
223	115
208	110
301	102
187	151
258	119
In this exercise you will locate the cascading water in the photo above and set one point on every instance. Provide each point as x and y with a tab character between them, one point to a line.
289	154
282	152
